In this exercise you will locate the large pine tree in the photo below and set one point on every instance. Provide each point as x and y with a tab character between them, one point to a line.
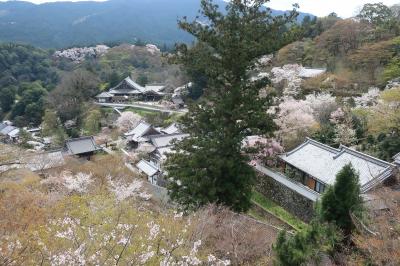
210	167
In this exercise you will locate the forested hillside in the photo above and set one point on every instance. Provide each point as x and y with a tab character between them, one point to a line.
26	76
358	52
62	24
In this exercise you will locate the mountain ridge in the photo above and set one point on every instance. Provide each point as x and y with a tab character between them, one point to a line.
65	24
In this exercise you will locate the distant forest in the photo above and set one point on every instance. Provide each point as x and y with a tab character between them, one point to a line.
65	24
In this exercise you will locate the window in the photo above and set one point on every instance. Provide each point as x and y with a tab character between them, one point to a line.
319	187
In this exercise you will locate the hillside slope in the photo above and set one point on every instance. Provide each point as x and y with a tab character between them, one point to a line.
61	24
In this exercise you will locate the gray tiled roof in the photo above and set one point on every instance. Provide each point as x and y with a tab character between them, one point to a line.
155	88
104	95
142	129
2	125
7	130
397	159
14	133
171	129
162	152
323	163
148	168
81	146
166	140
128	86
134	85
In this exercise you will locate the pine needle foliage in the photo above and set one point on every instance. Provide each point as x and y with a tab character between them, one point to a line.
209	167
343	199
306	245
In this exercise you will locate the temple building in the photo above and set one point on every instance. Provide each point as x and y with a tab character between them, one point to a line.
316	165
83	147
130	90
303	174
156	143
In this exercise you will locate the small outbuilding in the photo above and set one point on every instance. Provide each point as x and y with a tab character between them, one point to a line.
150	170
104	97
83	147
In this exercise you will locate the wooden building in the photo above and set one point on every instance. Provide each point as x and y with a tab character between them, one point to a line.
84	147
303	174
315	165
129	90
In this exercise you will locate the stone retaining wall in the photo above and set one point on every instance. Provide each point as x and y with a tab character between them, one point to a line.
285	197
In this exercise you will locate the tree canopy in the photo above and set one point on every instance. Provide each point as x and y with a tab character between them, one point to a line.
210	165
342	200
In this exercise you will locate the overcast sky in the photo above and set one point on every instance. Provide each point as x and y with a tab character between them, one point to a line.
344	8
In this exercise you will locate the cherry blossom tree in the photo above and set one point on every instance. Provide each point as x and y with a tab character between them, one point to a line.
368	99
267	149
290	75
69	182
127	121
96	232
343	123
385	116
123	191
264	61
295	119
322	104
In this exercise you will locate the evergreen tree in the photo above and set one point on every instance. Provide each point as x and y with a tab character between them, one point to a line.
306	245
343	199
210	166
7	98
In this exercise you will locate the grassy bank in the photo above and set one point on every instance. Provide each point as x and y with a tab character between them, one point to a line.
277	211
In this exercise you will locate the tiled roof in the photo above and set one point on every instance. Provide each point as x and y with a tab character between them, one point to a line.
104	95
397	159
141	130
147	167
162	152
155	88
81	146
133	84
13	133
131	87
7	130
171	129
166	140
323	163
127	86
2	126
